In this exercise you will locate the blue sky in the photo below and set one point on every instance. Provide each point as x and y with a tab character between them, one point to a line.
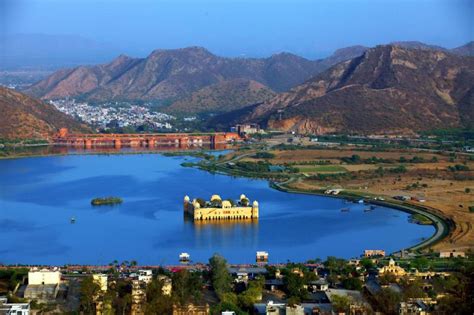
244	27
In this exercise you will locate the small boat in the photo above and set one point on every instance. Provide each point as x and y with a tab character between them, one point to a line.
73	220
345	210
360	201
368	209
184	257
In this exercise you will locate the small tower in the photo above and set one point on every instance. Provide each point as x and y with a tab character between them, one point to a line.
186	203
255	209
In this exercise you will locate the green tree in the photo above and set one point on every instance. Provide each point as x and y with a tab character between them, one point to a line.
186	286
294	286
89	293
352	283
341	303
388	300
220	277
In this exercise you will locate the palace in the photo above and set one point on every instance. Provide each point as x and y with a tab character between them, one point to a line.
218	209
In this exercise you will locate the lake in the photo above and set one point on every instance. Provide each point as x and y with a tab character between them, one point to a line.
40	195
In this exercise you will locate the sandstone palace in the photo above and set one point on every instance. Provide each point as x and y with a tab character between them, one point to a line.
218	209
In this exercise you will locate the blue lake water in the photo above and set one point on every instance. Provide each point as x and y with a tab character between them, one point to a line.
38	197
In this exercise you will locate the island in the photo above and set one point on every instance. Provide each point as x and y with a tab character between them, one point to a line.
218	209
106	201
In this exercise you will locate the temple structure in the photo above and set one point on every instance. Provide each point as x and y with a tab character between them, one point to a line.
218	209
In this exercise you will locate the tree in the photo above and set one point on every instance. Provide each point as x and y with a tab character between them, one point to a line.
388	300
186	286
352	283
341	303
220	277
294	286
89	293
156	302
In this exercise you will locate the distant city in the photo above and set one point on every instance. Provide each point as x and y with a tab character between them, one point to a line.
114	114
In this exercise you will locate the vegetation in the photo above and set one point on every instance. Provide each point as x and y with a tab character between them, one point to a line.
263	155
458	168
106	201
420	219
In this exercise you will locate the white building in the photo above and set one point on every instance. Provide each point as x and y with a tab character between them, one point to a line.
13	308
44	276
145	275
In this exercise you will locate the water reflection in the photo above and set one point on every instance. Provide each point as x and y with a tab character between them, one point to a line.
45	150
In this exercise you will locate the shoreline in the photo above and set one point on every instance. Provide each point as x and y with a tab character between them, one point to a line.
441	225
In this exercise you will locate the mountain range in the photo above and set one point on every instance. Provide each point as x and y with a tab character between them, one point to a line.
171	75
403	87
388	89
23	117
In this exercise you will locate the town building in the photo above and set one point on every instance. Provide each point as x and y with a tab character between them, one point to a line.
13	308
138	297
43	285
393	269
44	276
101	281
246	129
451	254
167	284
218	209
145	275
374	253
191	309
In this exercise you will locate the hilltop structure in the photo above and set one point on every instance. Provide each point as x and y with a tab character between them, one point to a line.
218	209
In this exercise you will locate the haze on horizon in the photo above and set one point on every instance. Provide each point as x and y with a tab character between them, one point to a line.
312	29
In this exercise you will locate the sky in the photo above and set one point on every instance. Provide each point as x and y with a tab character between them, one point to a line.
244	27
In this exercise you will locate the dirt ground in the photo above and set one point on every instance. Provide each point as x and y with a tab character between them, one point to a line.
441	188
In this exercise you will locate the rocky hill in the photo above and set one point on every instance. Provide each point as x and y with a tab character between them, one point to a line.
22	117
223	97
177	73
464	50
171	74
389	89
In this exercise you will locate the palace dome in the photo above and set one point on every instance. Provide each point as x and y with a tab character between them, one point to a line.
255	203
226	204
215	197
186	198
243	197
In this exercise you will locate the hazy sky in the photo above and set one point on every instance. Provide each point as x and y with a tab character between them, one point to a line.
238	27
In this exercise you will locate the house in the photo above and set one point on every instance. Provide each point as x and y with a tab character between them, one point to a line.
43	284
274	284
271	308
13	308
145	275
413	308
318	285
138	296
294	310
101	281
451	253
374	253
251	272
191	309
167	284
44	276
393	269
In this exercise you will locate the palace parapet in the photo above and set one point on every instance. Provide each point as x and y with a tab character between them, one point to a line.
218	209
